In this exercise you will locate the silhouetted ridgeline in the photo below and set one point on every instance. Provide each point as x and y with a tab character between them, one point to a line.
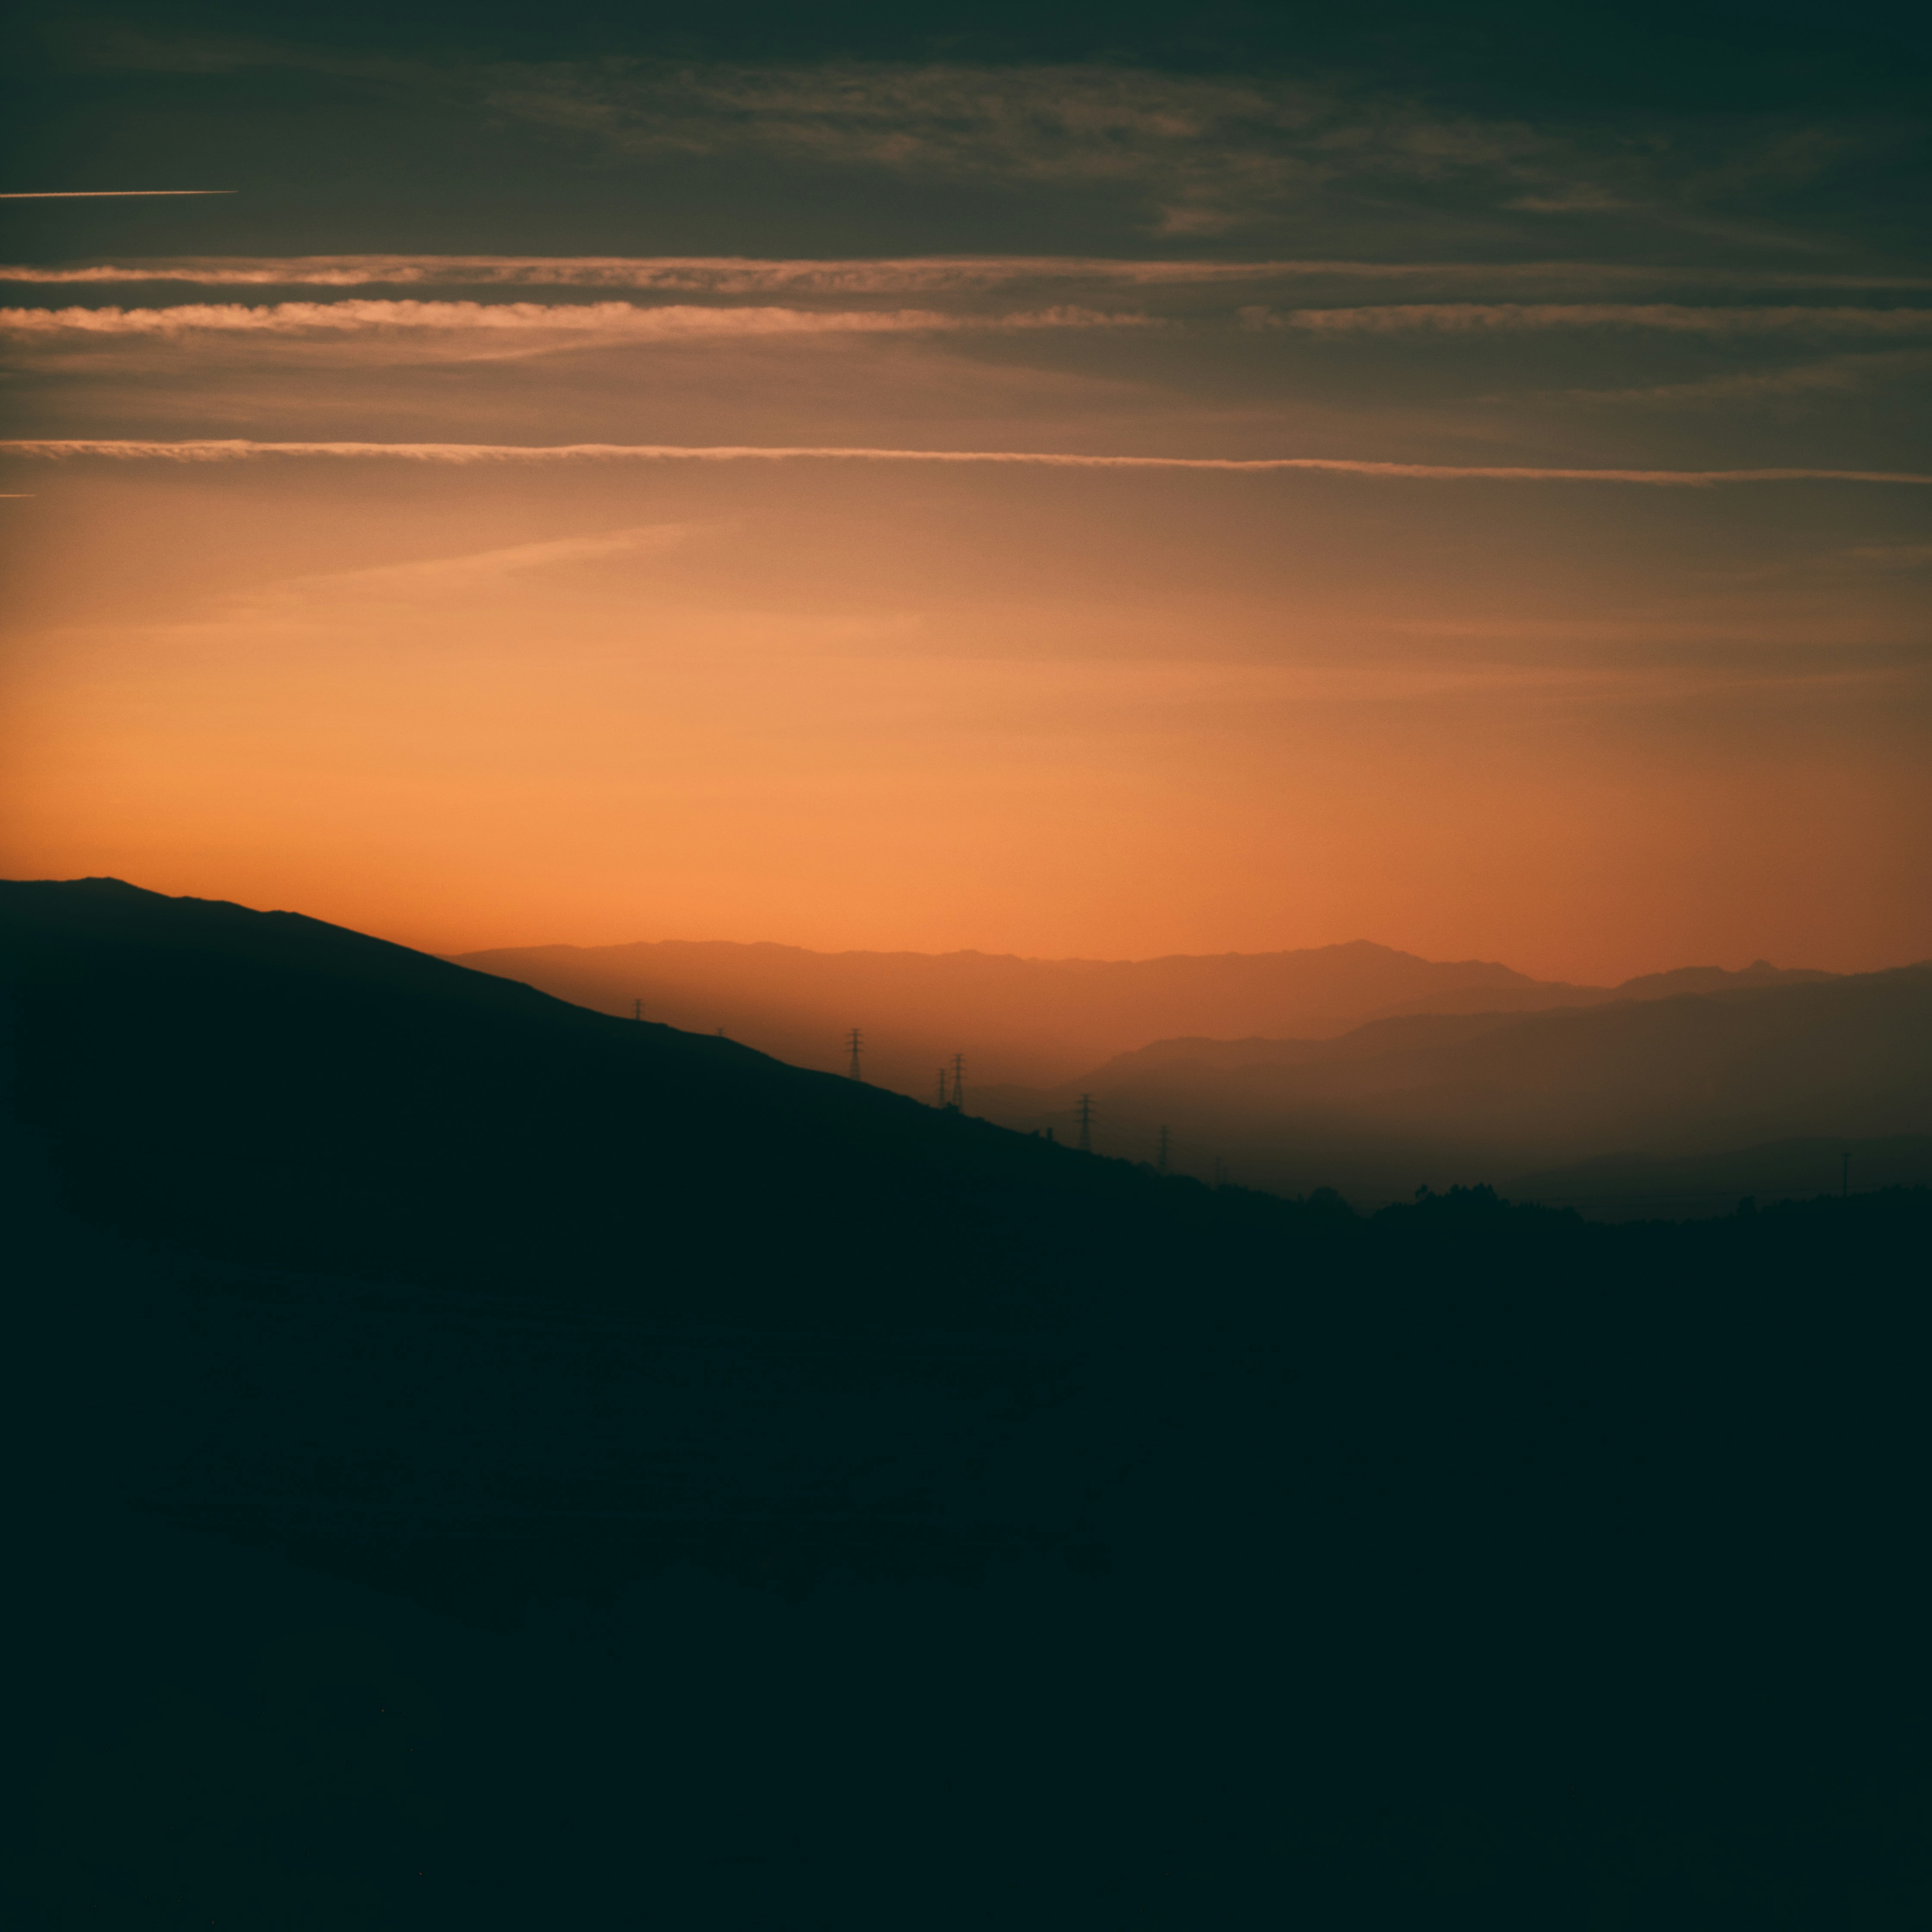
481	1462
1040	1020
1679	1078
265	1086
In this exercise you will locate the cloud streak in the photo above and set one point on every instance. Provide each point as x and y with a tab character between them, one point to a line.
237	450
731	274
620	320
1854	374
108	193
1483	318
485	569
1204	153
1208	152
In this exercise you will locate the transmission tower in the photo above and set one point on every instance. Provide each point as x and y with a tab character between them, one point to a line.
959	1080
637	1009
941	1101
854	1041
1160	1159
1086	1124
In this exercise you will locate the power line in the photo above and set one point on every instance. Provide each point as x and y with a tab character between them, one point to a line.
1086	1124
854	1041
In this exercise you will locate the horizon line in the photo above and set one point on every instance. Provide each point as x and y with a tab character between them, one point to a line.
211	450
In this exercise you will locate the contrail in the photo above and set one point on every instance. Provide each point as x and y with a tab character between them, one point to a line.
737	274
108	194
235	451
608	318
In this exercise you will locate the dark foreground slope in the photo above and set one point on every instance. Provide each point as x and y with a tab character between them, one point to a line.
264	1086
1160	1558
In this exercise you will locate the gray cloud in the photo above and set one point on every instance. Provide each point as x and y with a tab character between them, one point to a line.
1210	153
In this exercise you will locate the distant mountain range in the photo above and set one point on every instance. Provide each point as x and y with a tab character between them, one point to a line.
1040	1021
1445	1098
265	1084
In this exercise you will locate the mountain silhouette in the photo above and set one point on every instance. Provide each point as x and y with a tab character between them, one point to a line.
1540	996
1445	1098
445	1425
264	1085
1013	1019
1039	1022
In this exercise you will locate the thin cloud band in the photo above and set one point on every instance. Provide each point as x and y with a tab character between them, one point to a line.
237	450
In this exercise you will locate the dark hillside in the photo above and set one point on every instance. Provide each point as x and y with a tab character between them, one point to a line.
1640	1186
263	1086
805	1507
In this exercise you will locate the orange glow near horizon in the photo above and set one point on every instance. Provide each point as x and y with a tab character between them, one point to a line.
1054	714
1588	729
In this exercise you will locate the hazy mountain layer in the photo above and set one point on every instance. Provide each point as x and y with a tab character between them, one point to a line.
1036	1021
1443	1100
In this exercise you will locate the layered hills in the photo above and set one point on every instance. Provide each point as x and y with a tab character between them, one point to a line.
1357	1067
1443	1100
1039	1022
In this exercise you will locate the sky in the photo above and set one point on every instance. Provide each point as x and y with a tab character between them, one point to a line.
1060	482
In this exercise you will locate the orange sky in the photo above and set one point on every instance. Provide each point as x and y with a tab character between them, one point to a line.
1588	727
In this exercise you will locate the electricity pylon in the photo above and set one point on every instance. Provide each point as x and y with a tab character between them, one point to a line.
854	1041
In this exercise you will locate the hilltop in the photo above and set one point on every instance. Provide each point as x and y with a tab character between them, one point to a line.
261	1084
